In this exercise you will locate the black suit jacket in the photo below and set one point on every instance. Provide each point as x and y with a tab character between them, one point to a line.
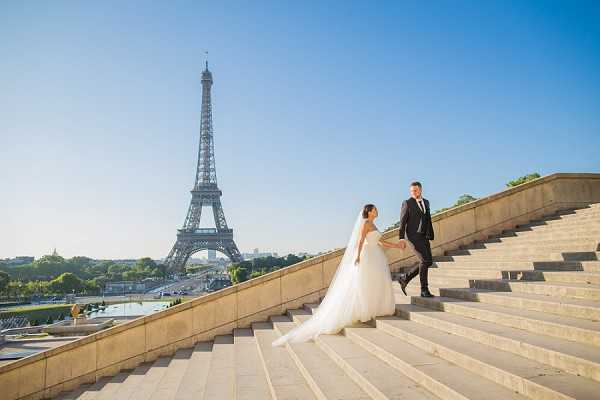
415	223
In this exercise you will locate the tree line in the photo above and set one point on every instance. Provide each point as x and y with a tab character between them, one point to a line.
242	271
53	274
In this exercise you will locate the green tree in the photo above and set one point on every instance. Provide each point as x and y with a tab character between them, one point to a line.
132	275
35	287
160	271
145	264
91	286
238	274
464	199
15	288
4	279
66	283
523	179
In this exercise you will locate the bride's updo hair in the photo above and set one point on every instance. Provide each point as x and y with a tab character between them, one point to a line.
367	209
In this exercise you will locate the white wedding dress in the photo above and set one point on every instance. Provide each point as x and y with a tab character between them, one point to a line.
356	293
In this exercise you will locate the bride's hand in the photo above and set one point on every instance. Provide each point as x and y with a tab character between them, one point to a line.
357	261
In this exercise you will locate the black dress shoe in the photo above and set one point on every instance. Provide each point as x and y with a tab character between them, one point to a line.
403	283
426	293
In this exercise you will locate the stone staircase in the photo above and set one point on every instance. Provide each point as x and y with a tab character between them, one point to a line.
515	317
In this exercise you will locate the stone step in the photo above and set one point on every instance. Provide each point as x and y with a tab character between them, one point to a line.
534	237
324	376
565	218
112	386
168	385
444	379
517	274
124	388
568	328
86	391
530	378
576	308
526	250
544	231
146	387
576	358
250	377
550	230
572	213
528	236
284	378
220	382
73	394
575	289
413	289
530	243
193	383
568	290
575	213
538	256
377	378
566	243
449	282
583	266
560	223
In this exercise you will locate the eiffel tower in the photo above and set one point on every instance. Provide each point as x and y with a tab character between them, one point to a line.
191	238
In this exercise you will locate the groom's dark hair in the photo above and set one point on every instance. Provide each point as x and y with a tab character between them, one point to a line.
416	183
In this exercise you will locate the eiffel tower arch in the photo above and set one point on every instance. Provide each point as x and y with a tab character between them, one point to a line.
206	193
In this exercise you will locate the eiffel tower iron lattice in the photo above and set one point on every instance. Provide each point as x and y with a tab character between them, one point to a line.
191	238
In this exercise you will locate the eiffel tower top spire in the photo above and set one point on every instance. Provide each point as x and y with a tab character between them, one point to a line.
206	174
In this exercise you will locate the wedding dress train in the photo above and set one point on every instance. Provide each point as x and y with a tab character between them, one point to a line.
356	293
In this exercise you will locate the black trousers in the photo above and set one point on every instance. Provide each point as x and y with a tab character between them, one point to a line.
422	250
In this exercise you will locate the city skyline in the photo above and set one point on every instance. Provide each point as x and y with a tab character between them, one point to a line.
100	115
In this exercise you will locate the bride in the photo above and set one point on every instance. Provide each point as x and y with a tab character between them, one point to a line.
360	289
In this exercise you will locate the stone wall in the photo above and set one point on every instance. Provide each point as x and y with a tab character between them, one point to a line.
146	338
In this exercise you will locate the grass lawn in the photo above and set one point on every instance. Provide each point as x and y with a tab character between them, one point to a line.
33	307
39	313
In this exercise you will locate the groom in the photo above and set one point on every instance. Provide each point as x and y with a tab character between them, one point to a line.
416	226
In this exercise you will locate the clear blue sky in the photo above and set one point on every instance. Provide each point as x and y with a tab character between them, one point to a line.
319	107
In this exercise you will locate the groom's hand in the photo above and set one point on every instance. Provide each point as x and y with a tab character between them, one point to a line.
402	244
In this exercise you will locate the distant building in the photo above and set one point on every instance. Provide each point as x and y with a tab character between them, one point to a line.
218	282
256	254
212	255
125	287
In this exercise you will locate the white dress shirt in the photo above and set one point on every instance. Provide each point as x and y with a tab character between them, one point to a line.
421	204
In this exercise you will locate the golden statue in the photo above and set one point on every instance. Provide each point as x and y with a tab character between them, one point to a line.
75	312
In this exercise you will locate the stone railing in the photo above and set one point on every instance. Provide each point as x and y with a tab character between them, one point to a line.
144	339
